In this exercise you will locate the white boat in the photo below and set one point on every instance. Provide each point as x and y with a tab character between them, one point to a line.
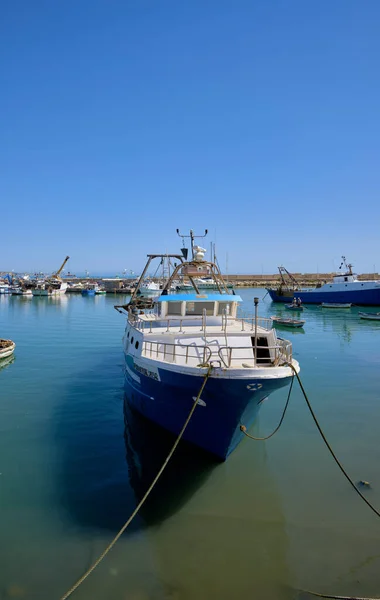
5	288
288	322
53	285
370	316
19	291
7	348
150	287
50	287
335	305
173	341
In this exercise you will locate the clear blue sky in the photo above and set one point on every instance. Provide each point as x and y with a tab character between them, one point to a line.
121	120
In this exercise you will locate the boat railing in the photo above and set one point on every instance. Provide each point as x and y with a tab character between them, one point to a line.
248	323
261	355
229	356
171	352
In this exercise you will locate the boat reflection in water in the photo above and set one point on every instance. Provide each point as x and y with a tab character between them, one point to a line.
147	446
215	530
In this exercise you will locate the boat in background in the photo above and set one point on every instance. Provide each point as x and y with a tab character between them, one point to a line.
5	288
150	287
288	322
7	347
295	307
91	289
343	289
53	285
370	316
284	291
335	305
50	287
171	344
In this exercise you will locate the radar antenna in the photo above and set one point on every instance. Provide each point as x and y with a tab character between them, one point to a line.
192	238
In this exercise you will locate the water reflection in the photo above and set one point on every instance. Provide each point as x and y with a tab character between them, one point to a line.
6	362
147	446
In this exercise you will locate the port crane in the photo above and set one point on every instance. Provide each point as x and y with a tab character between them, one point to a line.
58	273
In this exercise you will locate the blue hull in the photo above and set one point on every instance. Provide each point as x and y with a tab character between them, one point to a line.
359	297
215	425
88	292
277	298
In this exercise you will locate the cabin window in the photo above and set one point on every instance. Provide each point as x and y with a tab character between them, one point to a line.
345	279
222	308
197	308
132	340
174	308
128	334
136	345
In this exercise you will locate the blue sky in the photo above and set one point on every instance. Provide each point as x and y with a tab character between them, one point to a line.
122	120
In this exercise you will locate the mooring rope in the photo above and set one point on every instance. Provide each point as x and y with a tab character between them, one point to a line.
328	445
337	597
145	497
262	439
243	429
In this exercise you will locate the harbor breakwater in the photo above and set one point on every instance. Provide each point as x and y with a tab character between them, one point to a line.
123	285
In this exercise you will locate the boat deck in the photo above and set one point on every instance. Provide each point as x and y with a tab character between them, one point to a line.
230	342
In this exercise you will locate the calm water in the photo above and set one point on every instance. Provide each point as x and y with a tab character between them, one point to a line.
276	515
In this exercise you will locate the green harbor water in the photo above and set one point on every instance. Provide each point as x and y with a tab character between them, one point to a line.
276	517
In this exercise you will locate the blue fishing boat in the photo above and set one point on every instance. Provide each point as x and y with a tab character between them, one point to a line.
90	290
345	288
172	341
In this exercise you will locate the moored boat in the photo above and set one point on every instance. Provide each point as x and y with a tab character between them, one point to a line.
170	344
53	285
335	305
7	348
20	291
5	288
370	316
345	288
90	290
288	322
285	289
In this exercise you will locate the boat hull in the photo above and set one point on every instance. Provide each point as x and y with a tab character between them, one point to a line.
370	316
360	297
276	297
167	397
7	351
48	293
88	292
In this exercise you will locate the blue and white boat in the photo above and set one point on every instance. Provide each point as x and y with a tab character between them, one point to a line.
171	341
345	288
91	289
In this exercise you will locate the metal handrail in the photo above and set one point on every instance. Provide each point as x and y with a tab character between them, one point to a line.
154	349
262	322
247	323
282	354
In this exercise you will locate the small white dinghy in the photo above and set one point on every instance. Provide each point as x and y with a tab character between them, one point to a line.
7	348
335	305
288	322
370	316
